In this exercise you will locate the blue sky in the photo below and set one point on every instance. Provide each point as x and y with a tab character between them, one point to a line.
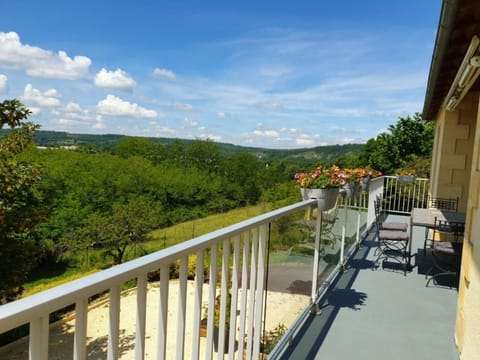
273	74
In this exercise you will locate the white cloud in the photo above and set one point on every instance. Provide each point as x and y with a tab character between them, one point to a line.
115	106
289	130
38	62
3	84
114	80
211	137
221	115
35	110
304	141
73	115
48	98
348	140
164	73
189	123
183	107
266	133
164	130
270	106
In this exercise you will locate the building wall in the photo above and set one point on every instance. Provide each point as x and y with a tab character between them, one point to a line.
467	329
452	152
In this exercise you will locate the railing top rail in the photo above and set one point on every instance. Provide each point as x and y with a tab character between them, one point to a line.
394	176
22	311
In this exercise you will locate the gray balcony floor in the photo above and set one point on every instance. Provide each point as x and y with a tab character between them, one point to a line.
381	314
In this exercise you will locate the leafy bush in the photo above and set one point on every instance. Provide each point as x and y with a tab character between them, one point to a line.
271	338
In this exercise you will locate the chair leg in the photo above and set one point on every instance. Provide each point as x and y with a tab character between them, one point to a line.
395	251
444	271
425	242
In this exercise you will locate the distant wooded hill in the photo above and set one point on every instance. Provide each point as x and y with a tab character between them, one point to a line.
108	141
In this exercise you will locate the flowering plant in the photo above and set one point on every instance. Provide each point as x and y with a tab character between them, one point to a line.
354	175
372	173
405	172
360	174
322	177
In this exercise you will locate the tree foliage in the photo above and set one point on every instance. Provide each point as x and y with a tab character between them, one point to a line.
106	201
408	143
18	213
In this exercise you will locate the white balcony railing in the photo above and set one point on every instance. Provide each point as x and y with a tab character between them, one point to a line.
237	257
402	197
242	249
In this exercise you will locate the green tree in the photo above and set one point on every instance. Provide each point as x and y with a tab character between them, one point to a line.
204	154
381	154
408	142
413	137
241	175
17	200
136	146
128	226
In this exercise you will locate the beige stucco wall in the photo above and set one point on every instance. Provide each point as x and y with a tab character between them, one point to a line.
467	329
452	152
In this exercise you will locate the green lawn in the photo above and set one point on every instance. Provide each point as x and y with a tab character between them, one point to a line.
188	230
45	278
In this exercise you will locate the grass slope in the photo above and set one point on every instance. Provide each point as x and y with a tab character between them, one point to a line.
47	277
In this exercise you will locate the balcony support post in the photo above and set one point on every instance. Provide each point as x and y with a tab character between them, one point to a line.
114	323
224	293
80	336
182	306
163	312
316	260
357	240
259	290
251	298
197	311
39	338
212	294
243	301
141	317
234	302
344	227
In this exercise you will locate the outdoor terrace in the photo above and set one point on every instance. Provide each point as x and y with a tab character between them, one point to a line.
380	314
365	313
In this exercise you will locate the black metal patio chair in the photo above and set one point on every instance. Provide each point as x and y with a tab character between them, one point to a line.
380	215
447	237
438	204
392	244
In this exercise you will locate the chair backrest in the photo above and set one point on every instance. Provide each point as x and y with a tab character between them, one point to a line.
443	203
378	214
451	231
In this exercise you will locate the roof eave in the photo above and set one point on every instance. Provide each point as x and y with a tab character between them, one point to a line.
445	27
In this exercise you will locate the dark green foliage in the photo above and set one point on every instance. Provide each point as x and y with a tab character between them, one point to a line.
19	204
108	203
97	203
142	147
12	113
407	144
242	178
178	149
288	231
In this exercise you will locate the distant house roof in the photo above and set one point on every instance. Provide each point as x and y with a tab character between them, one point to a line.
459	22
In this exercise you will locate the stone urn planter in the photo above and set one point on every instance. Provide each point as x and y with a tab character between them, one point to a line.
326	197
